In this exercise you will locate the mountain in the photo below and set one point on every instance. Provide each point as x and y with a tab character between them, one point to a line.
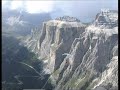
20	68
21	22
79	56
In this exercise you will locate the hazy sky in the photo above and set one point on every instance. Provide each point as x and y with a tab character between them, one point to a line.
85	10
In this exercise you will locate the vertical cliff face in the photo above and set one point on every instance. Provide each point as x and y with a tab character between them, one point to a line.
79	57
90	62
57	39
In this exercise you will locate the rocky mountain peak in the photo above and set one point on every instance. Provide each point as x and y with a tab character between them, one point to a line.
107	18
68	19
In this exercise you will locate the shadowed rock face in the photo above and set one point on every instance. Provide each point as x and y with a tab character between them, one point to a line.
79	57
91	62
55	39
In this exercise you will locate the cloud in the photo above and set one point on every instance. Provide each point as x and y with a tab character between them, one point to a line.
85	10
29	6
39	6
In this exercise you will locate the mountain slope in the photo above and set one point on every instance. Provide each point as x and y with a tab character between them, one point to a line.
20	68
21	22
79	57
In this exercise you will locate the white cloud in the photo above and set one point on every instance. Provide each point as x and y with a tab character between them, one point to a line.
39	6
83	9
16	4
30	6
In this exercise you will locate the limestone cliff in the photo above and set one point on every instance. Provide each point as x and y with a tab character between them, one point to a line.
53	41
77	56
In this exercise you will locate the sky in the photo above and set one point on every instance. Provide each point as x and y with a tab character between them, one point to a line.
85	10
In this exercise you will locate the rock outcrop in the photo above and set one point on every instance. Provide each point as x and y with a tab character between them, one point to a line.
92	61
79	57
54	40
68	19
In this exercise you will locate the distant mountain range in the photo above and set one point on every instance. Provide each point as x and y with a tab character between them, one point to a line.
21	23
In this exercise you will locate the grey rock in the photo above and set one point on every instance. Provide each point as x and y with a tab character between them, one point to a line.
79	57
